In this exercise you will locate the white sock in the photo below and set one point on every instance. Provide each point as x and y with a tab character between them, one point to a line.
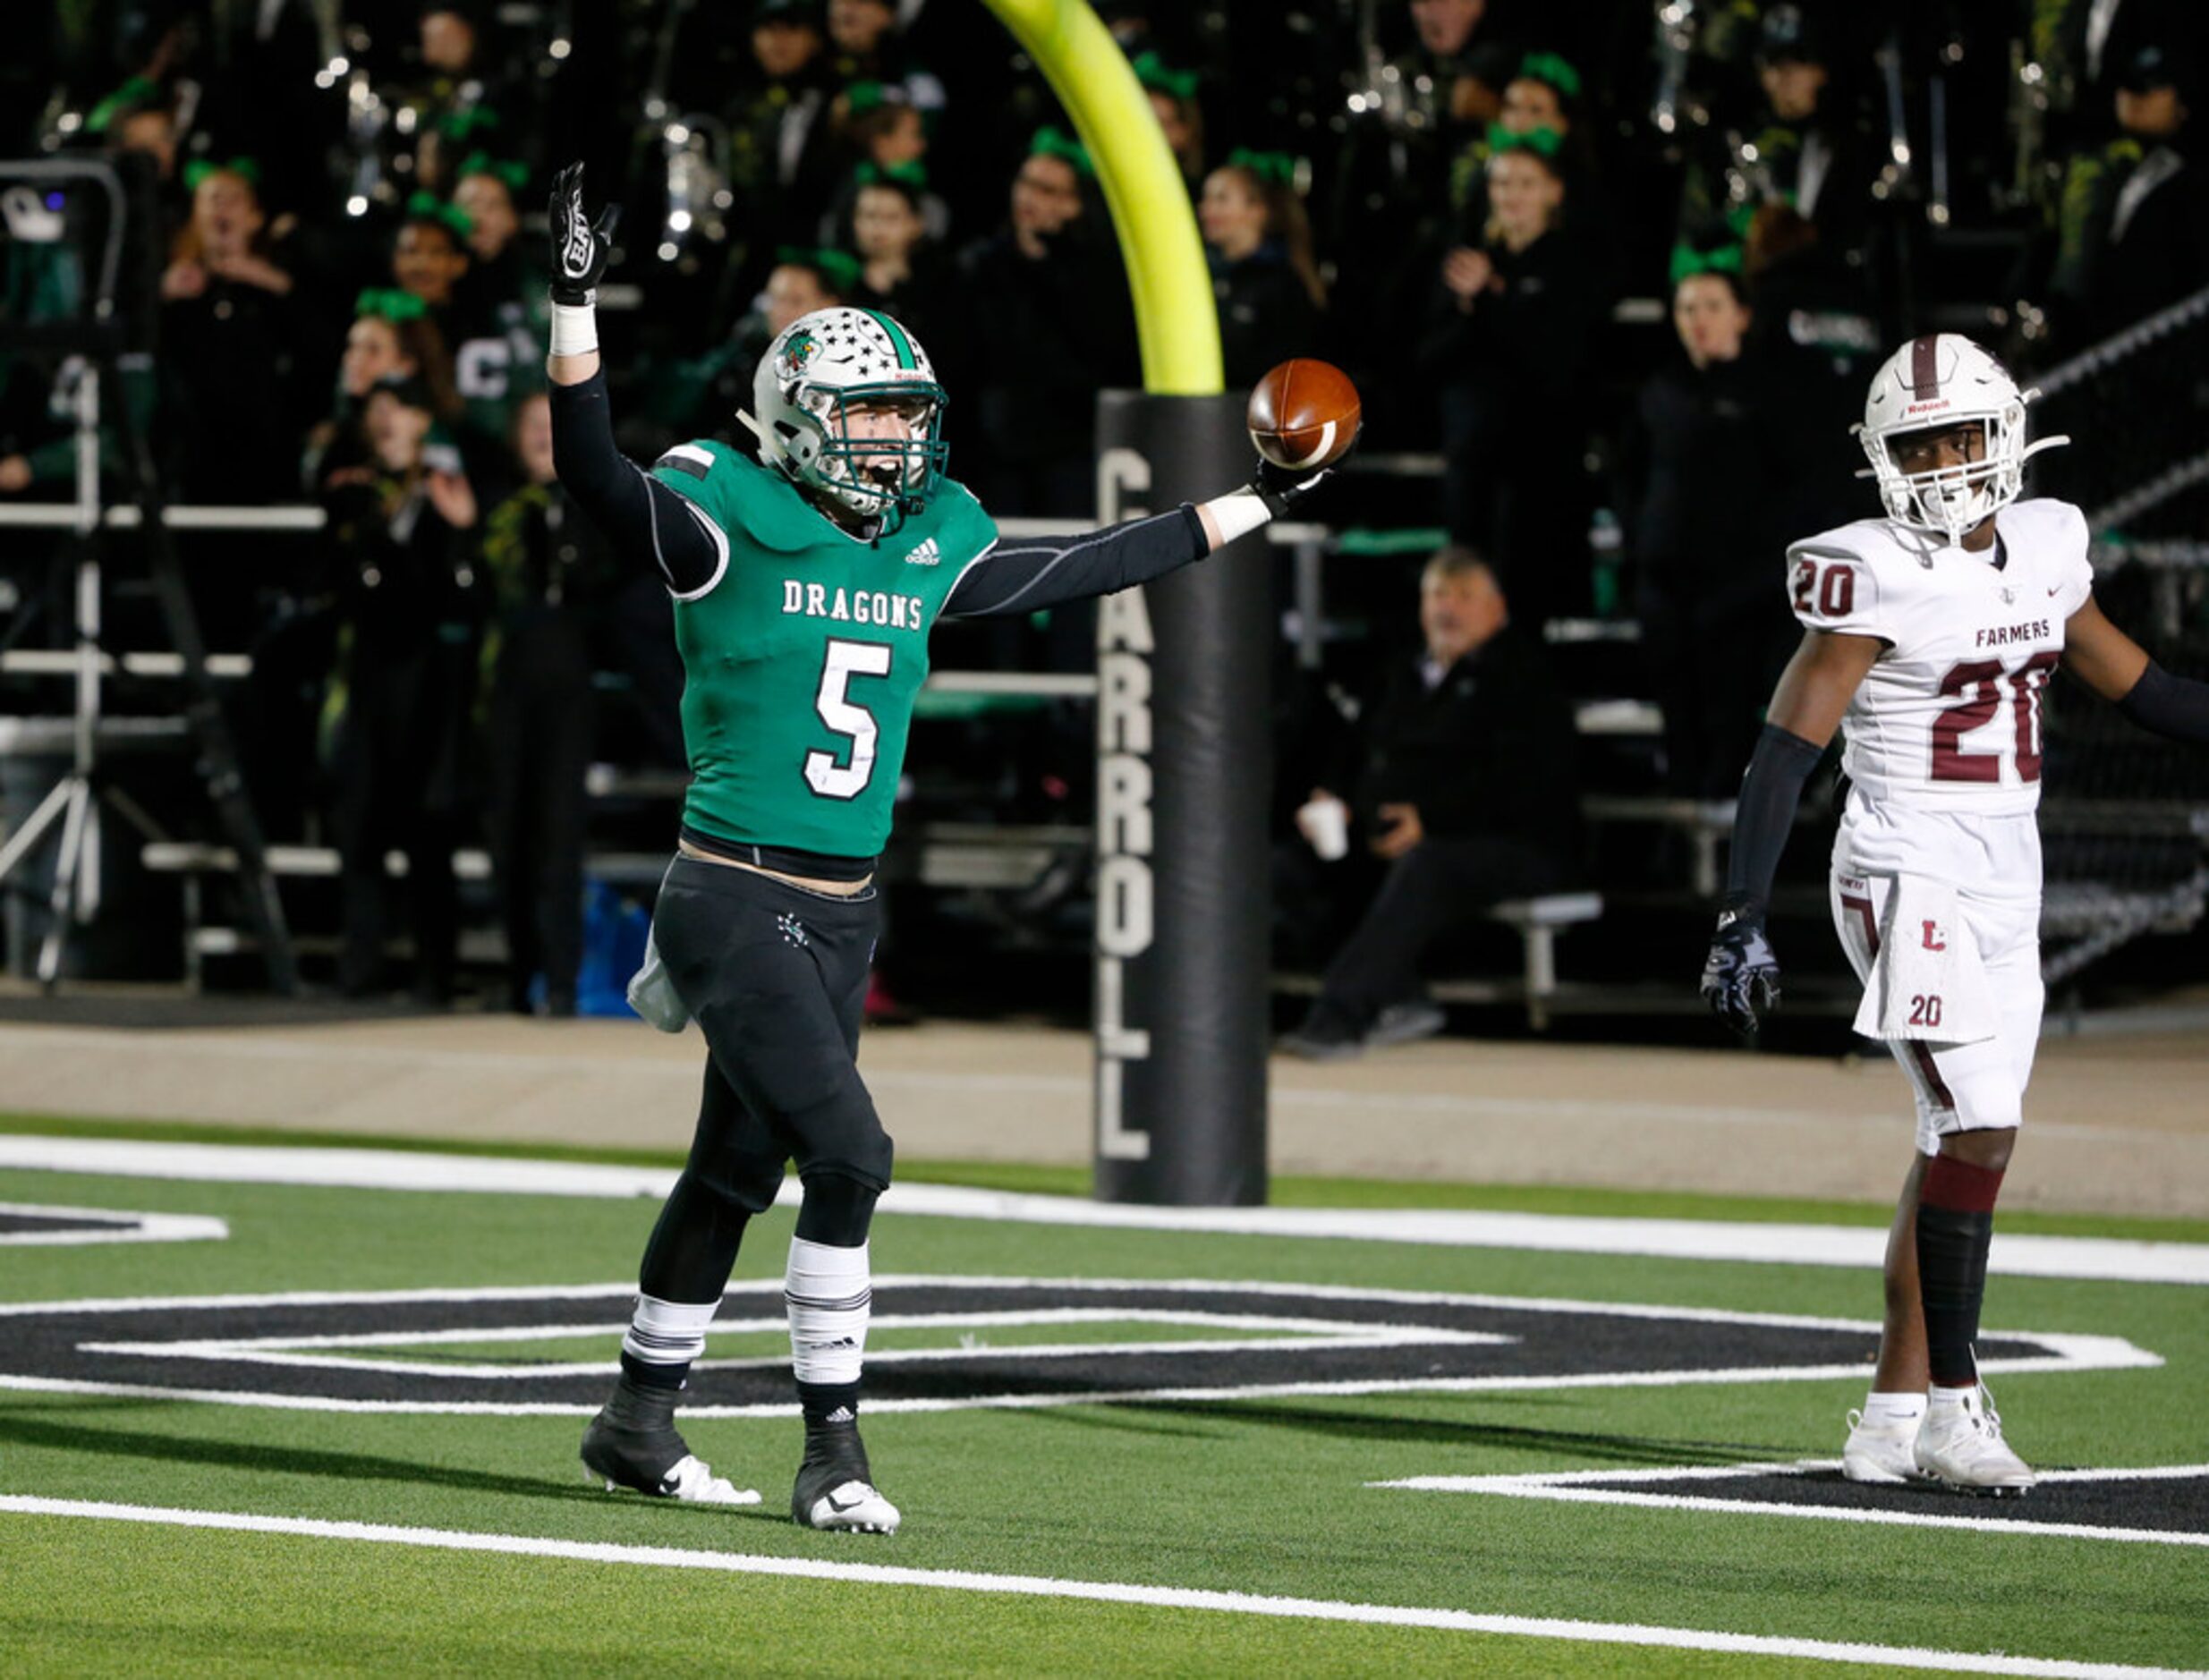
1891	1410
1941	1398
668	1332
829	1292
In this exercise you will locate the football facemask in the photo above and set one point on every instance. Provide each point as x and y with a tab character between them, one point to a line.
1936	383
849	405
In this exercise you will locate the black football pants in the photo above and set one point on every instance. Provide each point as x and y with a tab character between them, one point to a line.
776	977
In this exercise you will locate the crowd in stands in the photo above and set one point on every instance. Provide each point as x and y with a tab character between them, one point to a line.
1449	198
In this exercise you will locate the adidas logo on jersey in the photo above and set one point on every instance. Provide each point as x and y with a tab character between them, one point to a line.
926	555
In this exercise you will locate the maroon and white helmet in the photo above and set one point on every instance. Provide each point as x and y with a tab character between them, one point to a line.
1931	382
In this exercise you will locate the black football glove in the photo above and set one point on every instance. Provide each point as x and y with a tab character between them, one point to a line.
1280	488
580	250
1741	976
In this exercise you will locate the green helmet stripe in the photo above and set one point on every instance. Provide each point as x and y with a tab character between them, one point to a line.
897	337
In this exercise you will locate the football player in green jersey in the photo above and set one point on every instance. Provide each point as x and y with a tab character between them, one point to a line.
804	585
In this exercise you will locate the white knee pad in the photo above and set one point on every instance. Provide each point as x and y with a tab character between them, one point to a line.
829	1292
1966	1088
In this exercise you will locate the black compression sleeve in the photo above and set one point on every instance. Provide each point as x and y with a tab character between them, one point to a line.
2176	707
1037	572
632	509
1764	813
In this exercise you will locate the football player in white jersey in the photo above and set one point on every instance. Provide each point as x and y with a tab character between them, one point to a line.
1930	637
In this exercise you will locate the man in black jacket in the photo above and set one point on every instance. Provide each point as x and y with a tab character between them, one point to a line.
1466	792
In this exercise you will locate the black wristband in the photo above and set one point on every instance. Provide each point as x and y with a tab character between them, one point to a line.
2174	706
1764	815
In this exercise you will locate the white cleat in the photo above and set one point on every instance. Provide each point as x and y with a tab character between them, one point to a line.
1961	1445
692	1479
853	1505
1880	1451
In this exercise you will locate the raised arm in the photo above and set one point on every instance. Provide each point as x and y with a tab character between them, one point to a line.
1039	572
630	506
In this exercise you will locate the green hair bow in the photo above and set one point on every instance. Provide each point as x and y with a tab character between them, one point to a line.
137	91
426	207
839	268
391	304
912	175
1275	166
1687	261
1154	72
460	124
515	176
1552	69
199	168
1050	142
1543	142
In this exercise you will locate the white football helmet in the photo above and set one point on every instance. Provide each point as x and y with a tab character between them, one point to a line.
1930	383
819	368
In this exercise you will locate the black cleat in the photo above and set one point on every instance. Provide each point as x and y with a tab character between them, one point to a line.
835	1488
633	1444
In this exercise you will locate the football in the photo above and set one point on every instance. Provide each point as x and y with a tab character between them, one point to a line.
1303	414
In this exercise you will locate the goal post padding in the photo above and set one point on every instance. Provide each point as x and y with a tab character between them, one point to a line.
1183	731
1183	781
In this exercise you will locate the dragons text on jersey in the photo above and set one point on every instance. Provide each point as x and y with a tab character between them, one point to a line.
804	652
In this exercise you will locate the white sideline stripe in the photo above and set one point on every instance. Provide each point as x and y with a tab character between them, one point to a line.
1561	1486
1097	1592
144	1227
2104	1259
2067	1350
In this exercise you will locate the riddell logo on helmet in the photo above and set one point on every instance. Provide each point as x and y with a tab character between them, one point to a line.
1934	407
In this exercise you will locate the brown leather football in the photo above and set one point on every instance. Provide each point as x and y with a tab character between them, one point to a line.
1303	414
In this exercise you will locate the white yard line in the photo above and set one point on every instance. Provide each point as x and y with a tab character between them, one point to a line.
1572	1487
140	1227
2104	1259
1095	1591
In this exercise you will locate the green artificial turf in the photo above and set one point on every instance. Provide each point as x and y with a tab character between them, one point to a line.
1268	1495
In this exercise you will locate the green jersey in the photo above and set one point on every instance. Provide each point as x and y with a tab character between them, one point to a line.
803	655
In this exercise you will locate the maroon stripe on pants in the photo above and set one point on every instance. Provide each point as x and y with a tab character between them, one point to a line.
1927	1068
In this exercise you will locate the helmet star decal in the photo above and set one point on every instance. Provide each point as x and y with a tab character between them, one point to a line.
853	406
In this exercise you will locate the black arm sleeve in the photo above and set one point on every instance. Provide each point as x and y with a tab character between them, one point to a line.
629	507
2175	707
1041	571
1765	813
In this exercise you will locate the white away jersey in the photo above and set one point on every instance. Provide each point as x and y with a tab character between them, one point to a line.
1949	717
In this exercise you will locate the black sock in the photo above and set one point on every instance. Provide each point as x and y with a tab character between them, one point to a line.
1955	1225
821	1402
648	1375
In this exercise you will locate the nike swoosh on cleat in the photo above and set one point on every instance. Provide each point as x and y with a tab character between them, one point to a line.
835	1504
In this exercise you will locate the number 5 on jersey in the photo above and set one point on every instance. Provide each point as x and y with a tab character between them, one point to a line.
845	661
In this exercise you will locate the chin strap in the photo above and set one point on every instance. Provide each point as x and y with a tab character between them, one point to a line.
770	446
